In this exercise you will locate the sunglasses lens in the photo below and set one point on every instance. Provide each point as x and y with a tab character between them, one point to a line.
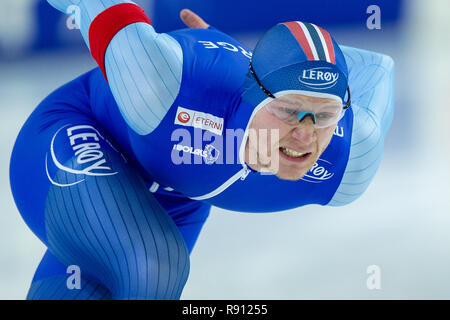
323	114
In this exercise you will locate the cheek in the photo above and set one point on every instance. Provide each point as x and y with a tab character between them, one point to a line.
263	120
280	135
324	136
270	128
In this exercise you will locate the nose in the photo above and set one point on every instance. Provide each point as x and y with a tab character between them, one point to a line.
304	114
304	132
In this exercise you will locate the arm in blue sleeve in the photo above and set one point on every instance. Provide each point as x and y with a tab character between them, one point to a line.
144	68
371	81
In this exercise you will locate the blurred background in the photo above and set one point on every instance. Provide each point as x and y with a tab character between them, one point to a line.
401	224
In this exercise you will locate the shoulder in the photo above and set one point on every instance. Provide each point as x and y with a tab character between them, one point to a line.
211	44
208	38
372	87
367	69
356	58
214	66
371	82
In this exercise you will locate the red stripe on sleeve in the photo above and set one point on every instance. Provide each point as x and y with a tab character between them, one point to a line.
329	43
298	33
107	24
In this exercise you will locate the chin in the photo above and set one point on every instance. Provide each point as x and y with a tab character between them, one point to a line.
294	173
291	176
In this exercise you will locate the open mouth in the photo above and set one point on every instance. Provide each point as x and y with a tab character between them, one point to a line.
292	155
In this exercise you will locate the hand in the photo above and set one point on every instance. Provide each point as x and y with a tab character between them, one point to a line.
192	20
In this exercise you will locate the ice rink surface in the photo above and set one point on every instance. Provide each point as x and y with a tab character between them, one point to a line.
401	223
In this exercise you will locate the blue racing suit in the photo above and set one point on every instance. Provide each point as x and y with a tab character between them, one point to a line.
119	177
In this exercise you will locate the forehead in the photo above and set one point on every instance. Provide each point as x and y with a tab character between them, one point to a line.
300	98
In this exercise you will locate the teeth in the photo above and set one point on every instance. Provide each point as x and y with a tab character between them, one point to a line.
292	153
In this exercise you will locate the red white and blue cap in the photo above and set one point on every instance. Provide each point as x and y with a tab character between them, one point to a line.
297	57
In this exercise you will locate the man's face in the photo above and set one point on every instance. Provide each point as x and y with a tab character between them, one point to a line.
288	151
